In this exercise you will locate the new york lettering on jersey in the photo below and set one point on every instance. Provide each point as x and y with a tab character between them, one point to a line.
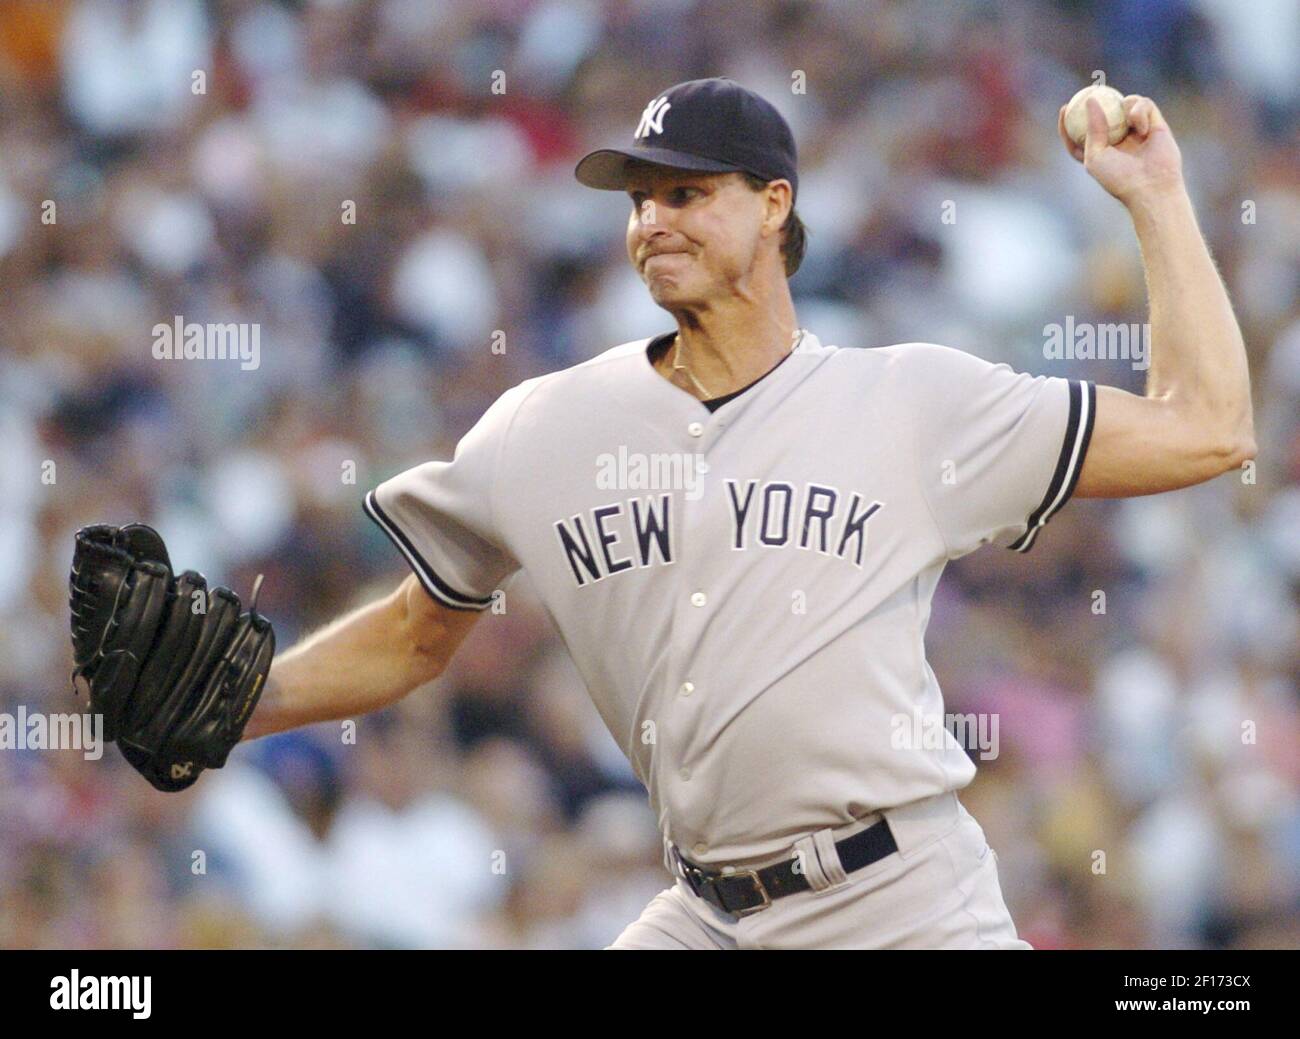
764	514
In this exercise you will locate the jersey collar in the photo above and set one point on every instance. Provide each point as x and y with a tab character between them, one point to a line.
669	408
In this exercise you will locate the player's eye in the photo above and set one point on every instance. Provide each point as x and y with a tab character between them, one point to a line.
680	196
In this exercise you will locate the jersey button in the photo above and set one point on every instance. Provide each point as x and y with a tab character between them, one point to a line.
700	848
695	429
685	773
698	598
687	688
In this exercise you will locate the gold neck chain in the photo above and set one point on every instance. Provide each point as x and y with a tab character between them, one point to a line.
678	366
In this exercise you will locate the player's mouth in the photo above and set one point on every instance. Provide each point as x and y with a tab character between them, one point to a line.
661	256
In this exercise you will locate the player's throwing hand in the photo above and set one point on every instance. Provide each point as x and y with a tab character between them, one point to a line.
1146	161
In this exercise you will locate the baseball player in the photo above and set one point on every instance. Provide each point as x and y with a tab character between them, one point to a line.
738	529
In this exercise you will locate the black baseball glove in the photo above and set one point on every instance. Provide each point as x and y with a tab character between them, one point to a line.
174	668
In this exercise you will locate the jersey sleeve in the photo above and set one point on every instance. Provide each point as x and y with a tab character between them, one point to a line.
440	516
998	452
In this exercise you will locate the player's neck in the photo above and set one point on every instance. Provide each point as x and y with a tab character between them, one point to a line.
717	354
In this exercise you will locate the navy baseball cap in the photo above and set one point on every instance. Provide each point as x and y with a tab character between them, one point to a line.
709	125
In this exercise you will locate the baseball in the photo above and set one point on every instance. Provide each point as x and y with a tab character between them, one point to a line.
1112	104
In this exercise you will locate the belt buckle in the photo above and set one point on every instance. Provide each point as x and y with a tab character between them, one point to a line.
758	886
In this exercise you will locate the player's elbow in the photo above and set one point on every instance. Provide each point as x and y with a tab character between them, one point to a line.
1215	442
1234	449
420	669
430	632
427	659
1242	451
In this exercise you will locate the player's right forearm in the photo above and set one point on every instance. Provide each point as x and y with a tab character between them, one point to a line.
1198	357
360	663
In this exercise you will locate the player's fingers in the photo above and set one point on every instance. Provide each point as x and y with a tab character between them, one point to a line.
1143	115
1098	136
1138	114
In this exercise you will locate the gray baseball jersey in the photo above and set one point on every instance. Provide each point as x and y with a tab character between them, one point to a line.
746	591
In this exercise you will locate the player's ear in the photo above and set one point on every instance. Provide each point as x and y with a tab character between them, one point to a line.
778	201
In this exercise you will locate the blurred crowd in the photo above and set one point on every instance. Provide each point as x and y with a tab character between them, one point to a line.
385	188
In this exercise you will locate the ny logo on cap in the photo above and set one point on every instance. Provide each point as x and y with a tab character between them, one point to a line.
652	119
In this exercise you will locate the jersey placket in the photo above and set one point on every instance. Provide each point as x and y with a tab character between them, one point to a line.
689	691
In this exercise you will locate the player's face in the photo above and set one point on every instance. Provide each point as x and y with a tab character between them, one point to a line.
692	237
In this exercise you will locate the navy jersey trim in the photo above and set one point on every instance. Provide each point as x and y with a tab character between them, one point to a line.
439	589
1074	448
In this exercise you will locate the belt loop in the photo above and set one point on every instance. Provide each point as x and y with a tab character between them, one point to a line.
672	861
831	867
809	861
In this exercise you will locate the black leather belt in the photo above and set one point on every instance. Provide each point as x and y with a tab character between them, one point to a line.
741	892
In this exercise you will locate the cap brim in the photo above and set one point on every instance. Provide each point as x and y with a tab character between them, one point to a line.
606	168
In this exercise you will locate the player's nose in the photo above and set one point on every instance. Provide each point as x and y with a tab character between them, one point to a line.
650	219
647	233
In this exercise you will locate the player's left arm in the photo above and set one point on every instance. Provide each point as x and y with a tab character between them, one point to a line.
1195	419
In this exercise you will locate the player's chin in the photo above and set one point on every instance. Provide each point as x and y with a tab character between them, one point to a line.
668	288
673	301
